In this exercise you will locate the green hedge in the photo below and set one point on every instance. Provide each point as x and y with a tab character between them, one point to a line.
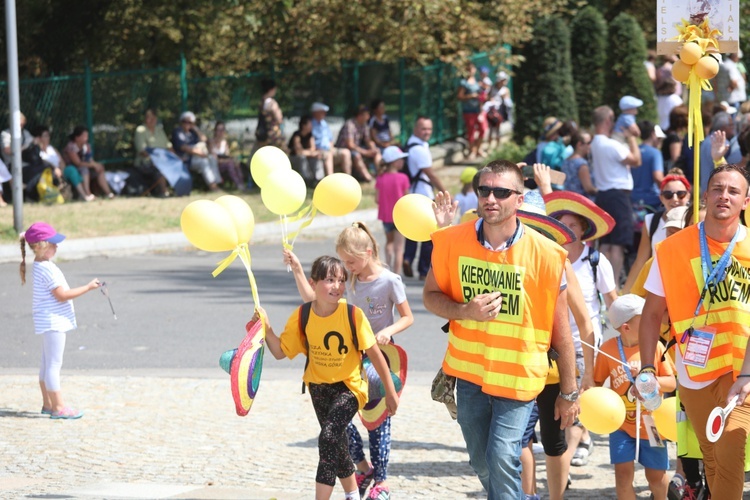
588	54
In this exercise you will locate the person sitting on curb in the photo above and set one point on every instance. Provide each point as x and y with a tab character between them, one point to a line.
355	136
190	144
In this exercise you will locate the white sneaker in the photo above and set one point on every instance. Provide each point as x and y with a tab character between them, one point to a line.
581	455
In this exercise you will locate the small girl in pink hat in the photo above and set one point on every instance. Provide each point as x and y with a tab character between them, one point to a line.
53	313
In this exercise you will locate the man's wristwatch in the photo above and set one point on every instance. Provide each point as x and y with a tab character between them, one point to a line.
572	397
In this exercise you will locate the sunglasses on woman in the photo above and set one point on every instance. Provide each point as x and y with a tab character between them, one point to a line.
671	194
498	192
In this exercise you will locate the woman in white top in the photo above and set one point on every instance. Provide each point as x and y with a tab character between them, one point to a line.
674	192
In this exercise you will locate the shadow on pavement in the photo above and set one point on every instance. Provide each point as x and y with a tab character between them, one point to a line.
21	414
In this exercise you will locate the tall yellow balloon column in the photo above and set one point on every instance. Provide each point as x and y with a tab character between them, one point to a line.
698	64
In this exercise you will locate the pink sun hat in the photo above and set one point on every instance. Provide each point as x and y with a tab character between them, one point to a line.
41	231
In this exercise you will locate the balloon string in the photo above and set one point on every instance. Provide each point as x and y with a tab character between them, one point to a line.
294	235
244	255
596	349
227	260
301	214
243	252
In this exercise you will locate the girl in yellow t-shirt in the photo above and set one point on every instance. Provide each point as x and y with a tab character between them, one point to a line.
333	372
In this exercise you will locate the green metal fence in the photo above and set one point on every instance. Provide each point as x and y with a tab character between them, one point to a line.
111	104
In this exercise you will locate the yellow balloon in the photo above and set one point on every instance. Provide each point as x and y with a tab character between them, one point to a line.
242	216
690	53
266	160
665	418
284	192
337	194
681	71
209	226
602	410
414	217
707	67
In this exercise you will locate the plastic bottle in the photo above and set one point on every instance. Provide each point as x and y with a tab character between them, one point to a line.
648	386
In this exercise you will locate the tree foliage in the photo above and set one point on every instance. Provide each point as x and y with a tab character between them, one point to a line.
544	83
225	36
626	73
588	54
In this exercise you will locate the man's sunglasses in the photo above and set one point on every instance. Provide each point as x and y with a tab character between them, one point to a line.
671	194
498	193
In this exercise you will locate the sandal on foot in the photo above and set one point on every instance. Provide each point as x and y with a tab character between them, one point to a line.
66	413
46	411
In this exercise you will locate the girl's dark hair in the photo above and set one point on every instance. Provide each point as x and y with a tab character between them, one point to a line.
304	120
577	138
326	266
375	103
678	118
267	84
39	130
647	128
77	131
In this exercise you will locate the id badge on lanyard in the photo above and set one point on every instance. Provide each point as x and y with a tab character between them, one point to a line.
699	346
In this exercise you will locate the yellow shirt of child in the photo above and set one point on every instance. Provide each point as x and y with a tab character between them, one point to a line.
620	381
332	355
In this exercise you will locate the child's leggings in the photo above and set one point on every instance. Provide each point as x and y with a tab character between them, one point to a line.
335	406
53	346
380	447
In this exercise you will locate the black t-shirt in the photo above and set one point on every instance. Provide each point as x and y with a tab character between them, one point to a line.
305	141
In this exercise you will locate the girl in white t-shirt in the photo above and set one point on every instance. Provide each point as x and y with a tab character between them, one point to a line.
53	313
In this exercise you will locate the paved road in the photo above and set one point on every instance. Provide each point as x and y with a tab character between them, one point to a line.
172	314
159	419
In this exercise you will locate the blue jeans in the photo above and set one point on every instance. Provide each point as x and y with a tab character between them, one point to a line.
493	428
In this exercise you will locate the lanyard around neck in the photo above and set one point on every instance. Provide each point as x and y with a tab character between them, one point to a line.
712	276
625	360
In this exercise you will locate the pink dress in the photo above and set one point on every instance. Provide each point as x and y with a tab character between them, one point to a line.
391	186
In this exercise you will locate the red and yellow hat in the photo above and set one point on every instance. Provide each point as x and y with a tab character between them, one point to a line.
535	218
599	222
375	412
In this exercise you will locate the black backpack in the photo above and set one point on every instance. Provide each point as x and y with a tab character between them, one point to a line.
413	179
304	317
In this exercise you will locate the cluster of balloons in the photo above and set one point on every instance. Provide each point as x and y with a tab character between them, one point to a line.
694	58
220	225
282	189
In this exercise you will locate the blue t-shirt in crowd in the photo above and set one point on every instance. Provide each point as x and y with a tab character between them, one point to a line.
570	168
644	187
322	134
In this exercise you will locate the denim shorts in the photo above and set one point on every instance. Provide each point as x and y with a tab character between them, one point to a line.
622	449
389	227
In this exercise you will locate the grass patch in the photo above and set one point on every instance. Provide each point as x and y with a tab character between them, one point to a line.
123	216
